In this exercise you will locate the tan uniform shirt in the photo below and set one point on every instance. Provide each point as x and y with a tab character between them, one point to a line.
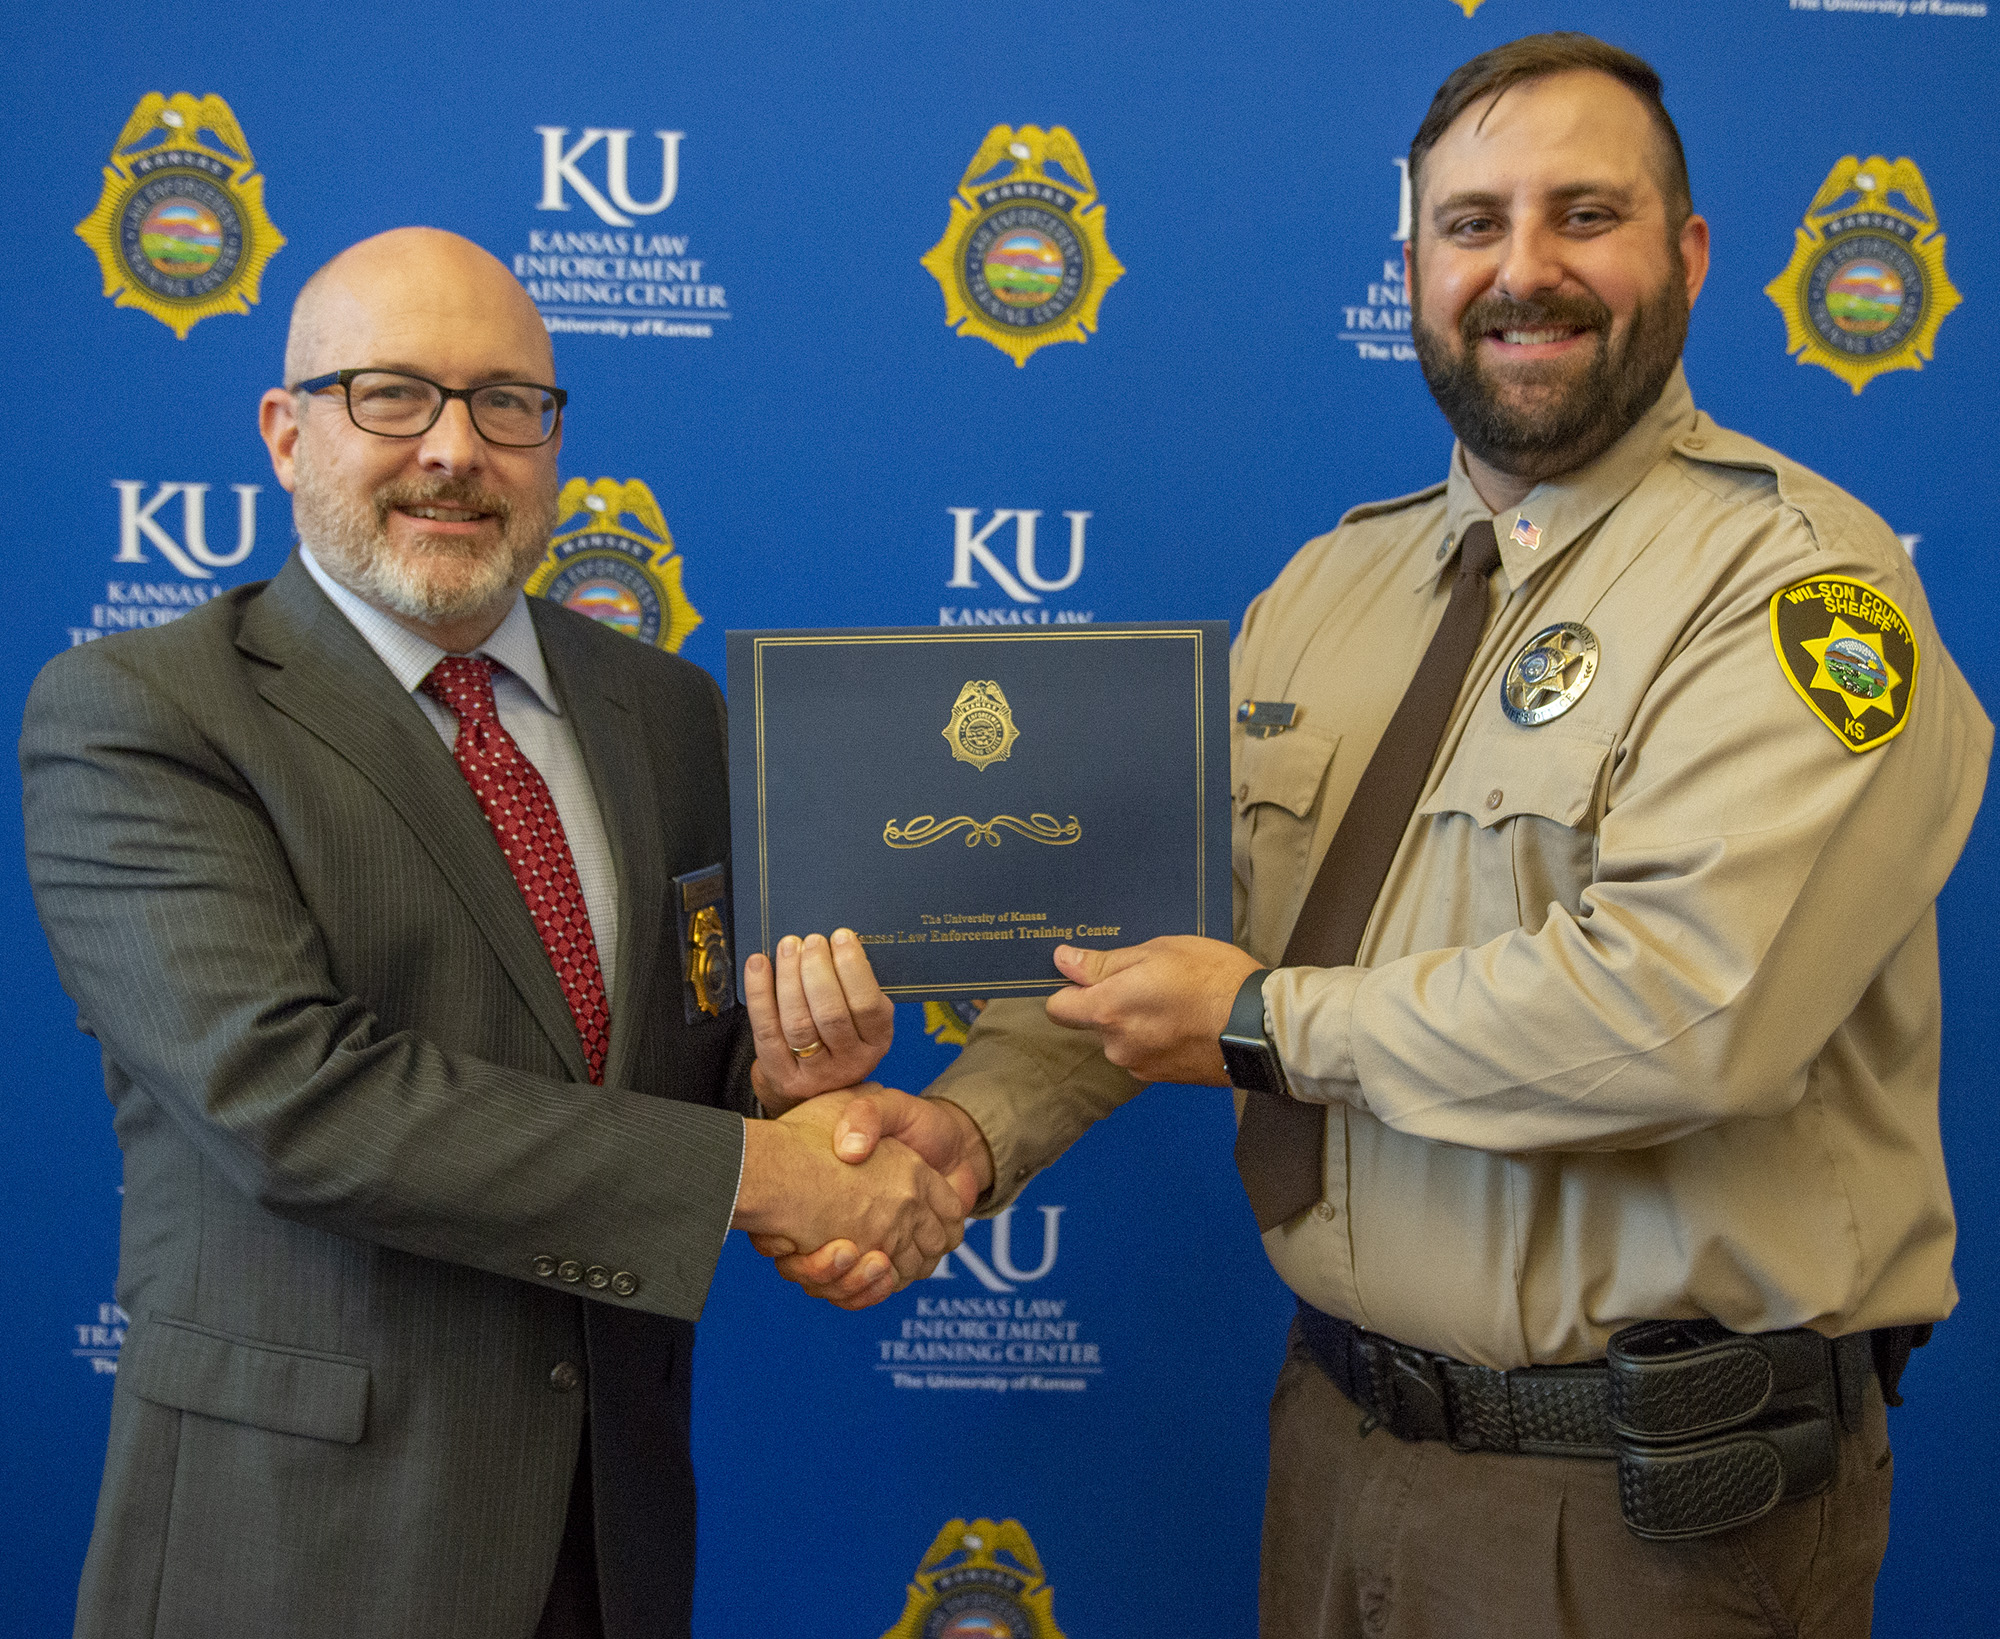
1646	1021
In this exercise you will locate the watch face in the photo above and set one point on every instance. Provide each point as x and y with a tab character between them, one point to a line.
1253	1066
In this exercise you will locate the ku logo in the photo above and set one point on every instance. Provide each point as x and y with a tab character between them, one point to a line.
191	555
560	169
1024	583
998	1272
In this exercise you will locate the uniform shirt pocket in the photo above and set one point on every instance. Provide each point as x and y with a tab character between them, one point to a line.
240	1380
1280	788
1532	800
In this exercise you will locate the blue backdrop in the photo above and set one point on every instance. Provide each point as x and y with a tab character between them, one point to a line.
769	361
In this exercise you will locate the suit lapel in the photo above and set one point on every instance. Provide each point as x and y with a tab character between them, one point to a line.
326	678
607	729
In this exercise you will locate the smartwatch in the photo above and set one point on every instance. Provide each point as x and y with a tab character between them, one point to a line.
1247	1052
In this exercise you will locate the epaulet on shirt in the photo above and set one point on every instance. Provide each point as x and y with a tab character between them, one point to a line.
1377	509
1838	521
1844	644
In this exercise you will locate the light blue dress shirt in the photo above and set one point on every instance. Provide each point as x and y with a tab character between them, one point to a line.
531	713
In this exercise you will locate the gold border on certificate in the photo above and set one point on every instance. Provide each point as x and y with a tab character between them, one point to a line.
1075	635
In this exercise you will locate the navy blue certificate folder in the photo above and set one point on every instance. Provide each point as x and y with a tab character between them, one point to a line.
966	801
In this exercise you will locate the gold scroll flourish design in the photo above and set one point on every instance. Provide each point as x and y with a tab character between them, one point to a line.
924	829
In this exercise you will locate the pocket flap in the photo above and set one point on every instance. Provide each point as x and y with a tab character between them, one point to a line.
267	1385
1501	777
1286	769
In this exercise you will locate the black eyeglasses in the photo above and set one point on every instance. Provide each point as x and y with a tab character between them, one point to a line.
391	404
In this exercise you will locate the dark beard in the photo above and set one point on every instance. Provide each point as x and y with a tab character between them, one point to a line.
1567	427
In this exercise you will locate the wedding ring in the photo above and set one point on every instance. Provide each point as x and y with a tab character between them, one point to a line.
807	1052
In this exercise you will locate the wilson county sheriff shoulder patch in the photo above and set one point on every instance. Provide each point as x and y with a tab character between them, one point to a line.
1850	655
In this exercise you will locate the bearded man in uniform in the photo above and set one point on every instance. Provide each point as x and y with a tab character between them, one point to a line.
1594	1127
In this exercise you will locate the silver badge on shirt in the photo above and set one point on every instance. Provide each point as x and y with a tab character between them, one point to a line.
1549	676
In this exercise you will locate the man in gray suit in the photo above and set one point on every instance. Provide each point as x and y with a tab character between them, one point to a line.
365	878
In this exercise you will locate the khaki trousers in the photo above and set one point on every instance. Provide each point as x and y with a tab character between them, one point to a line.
1378	1537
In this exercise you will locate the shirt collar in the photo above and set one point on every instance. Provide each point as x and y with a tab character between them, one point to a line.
1560	511
410	657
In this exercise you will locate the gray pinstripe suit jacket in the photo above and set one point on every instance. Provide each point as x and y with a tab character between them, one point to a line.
354	1112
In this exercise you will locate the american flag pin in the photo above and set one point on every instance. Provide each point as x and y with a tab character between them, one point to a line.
1527	534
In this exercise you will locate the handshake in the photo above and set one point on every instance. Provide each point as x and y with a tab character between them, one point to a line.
854	1189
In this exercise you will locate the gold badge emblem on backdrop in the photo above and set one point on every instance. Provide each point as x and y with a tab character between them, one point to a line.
1468	6
1865	290
949	1024
625	578
1024	262
1849	654
180	229
981	1580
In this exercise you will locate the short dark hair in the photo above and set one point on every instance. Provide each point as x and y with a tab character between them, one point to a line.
1536	56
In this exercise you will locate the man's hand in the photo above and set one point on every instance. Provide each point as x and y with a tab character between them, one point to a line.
1159	1007
939	1131
818	991
891	1207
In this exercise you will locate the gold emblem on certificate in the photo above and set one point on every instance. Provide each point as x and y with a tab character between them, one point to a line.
981	730
925	829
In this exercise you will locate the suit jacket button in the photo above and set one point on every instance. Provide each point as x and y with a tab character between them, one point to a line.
545	1266
597	1277
570	1270
624	1283
564	1376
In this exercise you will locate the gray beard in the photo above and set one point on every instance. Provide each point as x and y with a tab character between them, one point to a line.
349	538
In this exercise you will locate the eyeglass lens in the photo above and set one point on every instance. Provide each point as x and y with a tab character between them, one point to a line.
400	406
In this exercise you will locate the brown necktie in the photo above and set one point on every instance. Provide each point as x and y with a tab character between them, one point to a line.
1280	1146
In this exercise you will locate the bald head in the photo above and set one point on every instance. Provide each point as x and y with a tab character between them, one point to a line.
419	293
439	527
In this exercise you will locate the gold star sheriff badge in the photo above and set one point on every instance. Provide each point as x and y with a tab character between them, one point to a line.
1024	262
1850	654
981	1580
628	579
180	230
1865	290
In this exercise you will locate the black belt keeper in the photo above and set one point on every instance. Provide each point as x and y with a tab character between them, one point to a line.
1710	1428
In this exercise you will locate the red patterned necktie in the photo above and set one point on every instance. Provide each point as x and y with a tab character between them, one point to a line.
517	804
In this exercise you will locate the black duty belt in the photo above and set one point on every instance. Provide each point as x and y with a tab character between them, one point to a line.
1709	1428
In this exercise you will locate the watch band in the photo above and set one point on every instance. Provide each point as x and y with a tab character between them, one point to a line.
1246	1051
